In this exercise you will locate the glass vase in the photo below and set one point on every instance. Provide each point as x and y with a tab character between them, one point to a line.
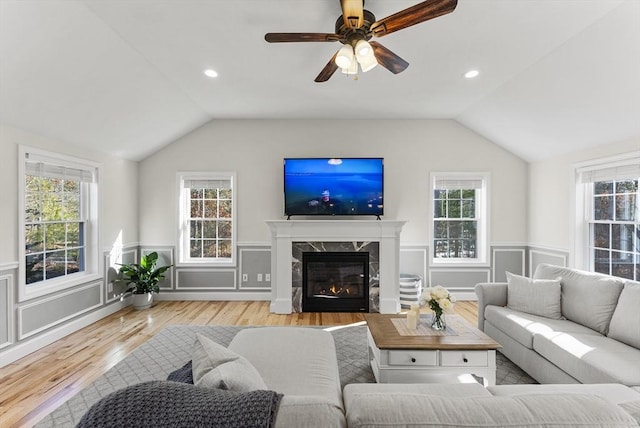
438	322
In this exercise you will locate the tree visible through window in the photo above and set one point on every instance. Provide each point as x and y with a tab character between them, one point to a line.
455	223
210	223
206	217
615	228
459	217
54	228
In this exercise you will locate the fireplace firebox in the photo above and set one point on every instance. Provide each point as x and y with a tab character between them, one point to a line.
335	282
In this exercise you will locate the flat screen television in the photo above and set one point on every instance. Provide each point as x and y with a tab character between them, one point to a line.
333	186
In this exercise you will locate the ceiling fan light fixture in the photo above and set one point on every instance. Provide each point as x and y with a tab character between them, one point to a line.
363	49
351	69
344	58
367	63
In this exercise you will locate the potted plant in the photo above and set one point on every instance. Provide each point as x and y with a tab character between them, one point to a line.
143	279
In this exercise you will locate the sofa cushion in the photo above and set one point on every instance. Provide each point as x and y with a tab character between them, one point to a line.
590	358
309	412
215	366
612	392
534	296
454	390
293	361
522	327
625	323
587	298
377	410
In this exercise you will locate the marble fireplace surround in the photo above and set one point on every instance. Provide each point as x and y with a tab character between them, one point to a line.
286	233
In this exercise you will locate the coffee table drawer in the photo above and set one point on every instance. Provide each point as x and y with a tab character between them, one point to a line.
413	358
464	358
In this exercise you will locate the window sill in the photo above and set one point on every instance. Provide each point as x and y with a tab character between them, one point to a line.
206	264
458	263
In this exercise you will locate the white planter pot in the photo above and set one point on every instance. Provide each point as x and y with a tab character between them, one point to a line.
142	301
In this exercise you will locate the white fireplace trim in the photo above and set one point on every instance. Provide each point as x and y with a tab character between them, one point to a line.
285	232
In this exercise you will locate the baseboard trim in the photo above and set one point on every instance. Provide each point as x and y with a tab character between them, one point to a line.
24	348
230	296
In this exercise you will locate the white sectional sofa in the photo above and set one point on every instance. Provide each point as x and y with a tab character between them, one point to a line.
301	363
566	325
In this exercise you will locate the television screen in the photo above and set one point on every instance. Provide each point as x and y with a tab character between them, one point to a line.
324	186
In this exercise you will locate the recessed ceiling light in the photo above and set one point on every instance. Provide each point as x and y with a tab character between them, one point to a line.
210	73
471	74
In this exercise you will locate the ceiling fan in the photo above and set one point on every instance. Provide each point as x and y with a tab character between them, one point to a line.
356	26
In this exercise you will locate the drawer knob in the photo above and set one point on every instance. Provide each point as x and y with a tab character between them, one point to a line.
465	359
413	360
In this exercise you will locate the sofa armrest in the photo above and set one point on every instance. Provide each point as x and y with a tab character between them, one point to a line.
490	293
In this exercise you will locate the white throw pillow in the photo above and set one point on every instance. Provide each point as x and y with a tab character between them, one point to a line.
215	366
534	296
625	323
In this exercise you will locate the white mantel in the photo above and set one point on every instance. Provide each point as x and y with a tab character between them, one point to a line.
285	232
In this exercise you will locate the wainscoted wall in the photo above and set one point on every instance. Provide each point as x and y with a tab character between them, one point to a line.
539	255
29	325
249	280
507	259
7	334
34	317
254	261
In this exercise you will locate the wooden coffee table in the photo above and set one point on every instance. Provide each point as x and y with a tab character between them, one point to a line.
398	355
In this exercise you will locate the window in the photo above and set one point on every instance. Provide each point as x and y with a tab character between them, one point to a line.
59	244
207	218
459	227
611	227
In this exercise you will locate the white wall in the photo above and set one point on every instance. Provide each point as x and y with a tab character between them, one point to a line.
551	194
255	150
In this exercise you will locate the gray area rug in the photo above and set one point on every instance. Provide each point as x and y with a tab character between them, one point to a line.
171	349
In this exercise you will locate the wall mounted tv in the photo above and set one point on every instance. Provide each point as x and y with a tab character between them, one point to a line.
333	186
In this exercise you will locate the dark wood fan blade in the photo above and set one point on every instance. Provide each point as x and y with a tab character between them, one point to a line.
388	59
301	37
352	13
413	15
328	70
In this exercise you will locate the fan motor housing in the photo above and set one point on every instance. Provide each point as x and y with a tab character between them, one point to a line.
352	35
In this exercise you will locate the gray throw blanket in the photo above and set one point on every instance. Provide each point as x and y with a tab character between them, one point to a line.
171	404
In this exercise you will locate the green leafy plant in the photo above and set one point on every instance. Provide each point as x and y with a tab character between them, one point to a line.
145	276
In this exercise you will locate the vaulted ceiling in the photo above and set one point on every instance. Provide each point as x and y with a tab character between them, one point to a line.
127	76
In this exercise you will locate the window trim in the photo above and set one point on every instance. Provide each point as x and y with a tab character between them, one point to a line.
482	216
181	177
583	206
93	261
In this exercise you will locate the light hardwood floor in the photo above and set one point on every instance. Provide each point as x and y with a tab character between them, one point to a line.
37	384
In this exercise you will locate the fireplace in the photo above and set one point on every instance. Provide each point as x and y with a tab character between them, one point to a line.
285	234
335	282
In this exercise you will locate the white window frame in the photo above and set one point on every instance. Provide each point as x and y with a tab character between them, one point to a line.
583	207
482	217
184	258
92	266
